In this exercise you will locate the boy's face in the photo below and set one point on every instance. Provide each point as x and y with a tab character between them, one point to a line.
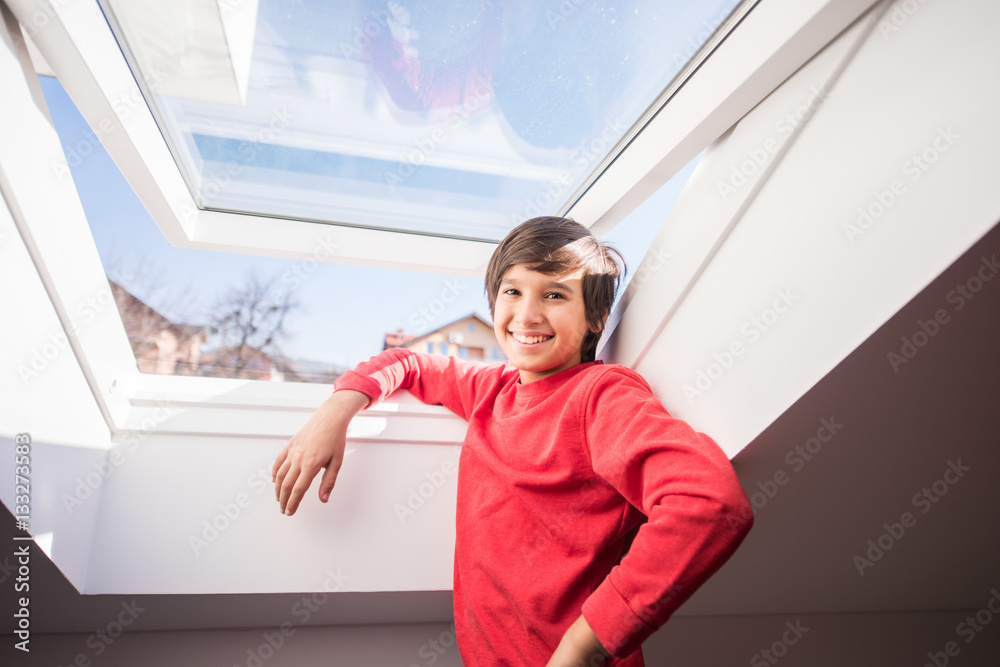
540	321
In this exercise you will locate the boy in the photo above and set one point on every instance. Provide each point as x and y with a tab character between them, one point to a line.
563	459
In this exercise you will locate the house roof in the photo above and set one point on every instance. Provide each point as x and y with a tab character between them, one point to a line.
182	330
470	316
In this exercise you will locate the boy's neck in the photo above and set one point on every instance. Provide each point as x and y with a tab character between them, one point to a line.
527	377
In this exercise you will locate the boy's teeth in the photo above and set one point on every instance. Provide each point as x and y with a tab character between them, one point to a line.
528	339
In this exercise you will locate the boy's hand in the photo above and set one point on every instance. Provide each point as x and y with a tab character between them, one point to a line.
579	648
318	444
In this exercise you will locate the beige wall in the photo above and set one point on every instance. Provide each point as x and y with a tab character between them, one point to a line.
458	335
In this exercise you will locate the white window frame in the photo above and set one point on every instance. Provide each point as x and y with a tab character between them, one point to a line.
771	42
773	39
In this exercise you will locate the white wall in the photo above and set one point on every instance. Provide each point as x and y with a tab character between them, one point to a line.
198	515
763	228
131	512
44	395
123	511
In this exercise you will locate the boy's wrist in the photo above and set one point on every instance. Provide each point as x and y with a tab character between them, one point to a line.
579	646
588	639
349	399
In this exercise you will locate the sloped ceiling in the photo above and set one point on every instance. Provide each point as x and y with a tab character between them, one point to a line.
899	432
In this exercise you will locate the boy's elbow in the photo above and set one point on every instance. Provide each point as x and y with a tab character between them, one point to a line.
735	515
741	507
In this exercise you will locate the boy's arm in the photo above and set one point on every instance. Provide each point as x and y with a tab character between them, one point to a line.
431	378
684	483
321	442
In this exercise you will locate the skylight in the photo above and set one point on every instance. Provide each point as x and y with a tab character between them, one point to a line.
170	298
450	118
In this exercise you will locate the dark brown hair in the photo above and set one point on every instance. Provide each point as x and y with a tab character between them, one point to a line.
554	246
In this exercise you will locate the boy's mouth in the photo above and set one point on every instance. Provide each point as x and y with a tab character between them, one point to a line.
529	340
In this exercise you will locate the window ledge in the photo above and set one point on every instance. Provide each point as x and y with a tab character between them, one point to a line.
174	405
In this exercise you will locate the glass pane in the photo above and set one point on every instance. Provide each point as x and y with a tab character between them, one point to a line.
448	117
634	236
174	301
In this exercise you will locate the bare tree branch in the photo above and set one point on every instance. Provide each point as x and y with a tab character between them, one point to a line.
250	323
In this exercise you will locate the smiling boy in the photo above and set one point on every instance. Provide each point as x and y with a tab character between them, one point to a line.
568	463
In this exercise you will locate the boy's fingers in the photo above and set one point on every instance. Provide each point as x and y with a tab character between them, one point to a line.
287	484
299	490
279	478
278	460
329	479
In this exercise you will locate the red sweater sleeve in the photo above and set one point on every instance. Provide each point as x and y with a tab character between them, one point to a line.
433	379
686	486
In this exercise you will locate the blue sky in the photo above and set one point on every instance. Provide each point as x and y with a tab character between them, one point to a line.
347	309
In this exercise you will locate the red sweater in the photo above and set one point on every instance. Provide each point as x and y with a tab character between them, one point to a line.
554	477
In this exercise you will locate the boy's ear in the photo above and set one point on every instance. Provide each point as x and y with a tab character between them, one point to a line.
604	320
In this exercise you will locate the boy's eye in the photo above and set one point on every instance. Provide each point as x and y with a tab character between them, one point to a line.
511	291
554	295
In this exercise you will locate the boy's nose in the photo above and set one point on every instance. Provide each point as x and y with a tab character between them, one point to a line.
528	313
